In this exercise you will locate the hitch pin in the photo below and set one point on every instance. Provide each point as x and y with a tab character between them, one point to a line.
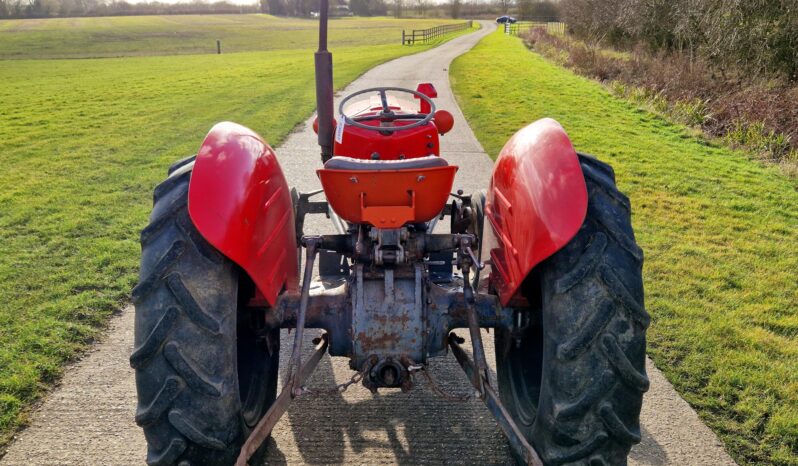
428	262
479	265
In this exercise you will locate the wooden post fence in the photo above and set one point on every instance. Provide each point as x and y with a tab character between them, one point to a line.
551	26
425	35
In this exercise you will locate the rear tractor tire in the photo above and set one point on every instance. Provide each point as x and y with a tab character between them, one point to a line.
205	372
573	373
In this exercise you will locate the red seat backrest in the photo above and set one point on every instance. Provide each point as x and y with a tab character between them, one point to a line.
388	198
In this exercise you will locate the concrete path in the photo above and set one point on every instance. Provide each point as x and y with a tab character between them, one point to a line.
88	420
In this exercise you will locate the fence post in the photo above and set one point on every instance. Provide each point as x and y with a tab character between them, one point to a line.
218	47
434	32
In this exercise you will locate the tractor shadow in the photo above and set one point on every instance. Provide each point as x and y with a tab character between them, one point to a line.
390	427
648	451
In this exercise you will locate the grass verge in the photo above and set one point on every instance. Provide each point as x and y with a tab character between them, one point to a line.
82	144
719	232
116	36
753	114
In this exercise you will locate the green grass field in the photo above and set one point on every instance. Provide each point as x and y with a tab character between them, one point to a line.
720	234
189	34
82	144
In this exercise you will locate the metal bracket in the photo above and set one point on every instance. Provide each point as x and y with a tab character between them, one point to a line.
304	206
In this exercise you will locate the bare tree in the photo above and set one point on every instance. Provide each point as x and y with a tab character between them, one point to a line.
753	36
505	5
421	6
454	8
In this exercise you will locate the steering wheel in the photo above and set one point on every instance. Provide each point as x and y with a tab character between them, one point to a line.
386	114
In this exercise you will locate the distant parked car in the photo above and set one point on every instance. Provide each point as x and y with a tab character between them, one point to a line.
341	10
506	19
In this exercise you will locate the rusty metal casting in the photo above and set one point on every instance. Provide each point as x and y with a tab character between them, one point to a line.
388	316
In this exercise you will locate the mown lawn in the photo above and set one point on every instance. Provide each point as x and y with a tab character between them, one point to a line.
82	144
189	34
720	233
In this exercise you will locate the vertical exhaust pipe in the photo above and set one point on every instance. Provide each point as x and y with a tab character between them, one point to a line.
324	86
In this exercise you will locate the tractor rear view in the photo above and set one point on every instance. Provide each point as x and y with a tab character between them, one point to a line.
545	256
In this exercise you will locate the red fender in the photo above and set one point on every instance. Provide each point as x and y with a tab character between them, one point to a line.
240	202
536	203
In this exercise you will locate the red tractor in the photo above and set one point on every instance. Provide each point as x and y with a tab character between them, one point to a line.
545	256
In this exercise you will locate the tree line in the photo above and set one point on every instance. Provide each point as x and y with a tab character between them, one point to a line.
750	36
522	9
73	8
10	9
305	7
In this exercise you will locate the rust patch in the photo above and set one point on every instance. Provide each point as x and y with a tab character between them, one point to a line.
381	340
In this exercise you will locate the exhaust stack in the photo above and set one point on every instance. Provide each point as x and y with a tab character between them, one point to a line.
324	86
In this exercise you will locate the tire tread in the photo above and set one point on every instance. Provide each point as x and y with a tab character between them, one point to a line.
593	336
188	371
186	310
168	455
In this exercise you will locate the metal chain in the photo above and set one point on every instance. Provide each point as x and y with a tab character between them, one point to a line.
413	369
465	398
340	388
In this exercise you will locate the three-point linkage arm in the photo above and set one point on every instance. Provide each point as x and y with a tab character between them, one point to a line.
297	371
477	370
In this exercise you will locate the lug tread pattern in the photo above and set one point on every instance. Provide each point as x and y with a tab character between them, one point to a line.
591	329
593	323
161	267
188	230
155	226
589	260
168	186
189	305
166	395
567	455
168	455
152	343
612	225
186	332
623	367
608	186
619	291
595	391
189	372
560	436
594	339
193	431
616	426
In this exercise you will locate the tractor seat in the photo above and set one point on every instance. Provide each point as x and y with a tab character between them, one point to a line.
351	163
387	193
